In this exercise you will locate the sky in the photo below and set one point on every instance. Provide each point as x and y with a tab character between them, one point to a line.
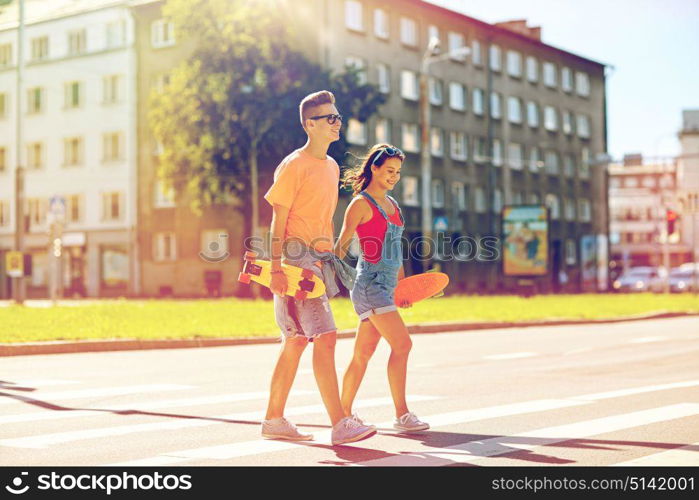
652	44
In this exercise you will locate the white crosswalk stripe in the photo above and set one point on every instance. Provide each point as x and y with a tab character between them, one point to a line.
52	397
45	440
676	457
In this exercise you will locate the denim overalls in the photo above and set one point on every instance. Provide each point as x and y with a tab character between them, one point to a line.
373	289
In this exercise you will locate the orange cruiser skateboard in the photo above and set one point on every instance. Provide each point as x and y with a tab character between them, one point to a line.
303	283
419	287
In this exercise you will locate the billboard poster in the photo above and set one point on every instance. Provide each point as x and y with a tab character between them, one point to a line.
525	231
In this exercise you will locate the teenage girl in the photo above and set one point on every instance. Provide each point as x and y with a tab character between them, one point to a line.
378	222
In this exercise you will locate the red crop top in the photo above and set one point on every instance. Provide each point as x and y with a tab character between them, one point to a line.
372	233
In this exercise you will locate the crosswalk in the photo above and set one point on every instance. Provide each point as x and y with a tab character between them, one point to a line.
50	419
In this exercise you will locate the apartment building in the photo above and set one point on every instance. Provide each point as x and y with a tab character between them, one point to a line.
542	108
77	105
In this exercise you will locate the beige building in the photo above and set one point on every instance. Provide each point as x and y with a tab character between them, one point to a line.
688	189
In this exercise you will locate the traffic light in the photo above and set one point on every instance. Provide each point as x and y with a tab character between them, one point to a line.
671	217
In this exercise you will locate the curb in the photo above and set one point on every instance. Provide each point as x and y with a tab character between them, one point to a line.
64	347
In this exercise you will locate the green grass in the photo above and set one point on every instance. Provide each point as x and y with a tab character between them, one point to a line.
168	319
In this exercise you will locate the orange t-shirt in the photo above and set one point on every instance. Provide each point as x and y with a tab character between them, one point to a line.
308	187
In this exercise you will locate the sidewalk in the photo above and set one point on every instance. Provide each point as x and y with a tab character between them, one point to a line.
60	347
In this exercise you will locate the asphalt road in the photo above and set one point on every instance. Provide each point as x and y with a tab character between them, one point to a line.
625	393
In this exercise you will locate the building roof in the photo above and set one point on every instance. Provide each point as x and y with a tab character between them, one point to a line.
502	31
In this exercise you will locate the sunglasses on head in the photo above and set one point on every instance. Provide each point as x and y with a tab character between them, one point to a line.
332	118
389	152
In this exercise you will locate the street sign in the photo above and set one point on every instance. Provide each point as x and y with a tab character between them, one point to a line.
14	264
441	223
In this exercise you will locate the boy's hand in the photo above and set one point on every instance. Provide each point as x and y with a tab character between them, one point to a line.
279	284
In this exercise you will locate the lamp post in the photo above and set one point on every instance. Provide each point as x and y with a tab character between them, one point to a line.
429	57
18	284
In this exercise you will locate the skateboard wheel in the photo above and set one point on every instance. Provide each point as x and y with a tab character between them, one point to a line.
244	278
307	273
250	256
300	295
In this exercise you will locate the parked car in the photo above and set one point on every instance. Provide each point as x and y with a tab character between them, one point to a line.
683	279
640	279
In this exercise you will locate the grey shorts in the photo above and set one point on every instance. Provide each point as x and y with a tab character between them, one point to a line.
309	318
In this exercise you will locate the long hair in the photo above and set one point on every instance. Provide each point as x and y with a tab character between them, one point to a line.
359	177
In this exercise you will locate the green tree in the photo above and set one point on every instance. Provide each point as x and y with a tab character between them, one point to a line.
233	103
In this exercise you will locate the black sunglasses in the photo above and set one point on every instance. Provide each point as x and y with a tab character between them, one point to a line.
390	153
332	118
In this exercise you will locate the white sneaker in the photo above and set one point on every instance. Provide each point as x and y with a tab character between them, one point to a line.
410	423
281	428
349	430
354	416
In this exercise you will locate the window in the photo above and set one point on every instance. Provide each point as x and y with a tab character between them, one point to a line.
568	165
73	208
582	84
458	146
553	206
354	15
535	162
566	79
478	101
585	163
3	105
4	213
40	48
408	31
517	198
72	151
410	192
585	214
110	89
583	126
380	23
437	142
433	32
515	156
37	211
480	150
569	209
436	94
497	200
35	155
534	198
457	93
162	34
164	247
410	137
549	74
76	42
3	159
476	54
111	206
571	256
112	147
409	88
458	193
514	63
161	81
551	162
567	122
497	152
356	132
437	193
116	31
456	43
5	55
382	132
514	109
532	114
532	69
359	65
35	100
479	199
631	182
495	105
495	55
383	74
72	92
163	194
550	118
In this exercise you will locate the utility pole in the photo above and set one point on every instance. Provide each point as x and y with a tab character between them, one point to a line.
18	284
